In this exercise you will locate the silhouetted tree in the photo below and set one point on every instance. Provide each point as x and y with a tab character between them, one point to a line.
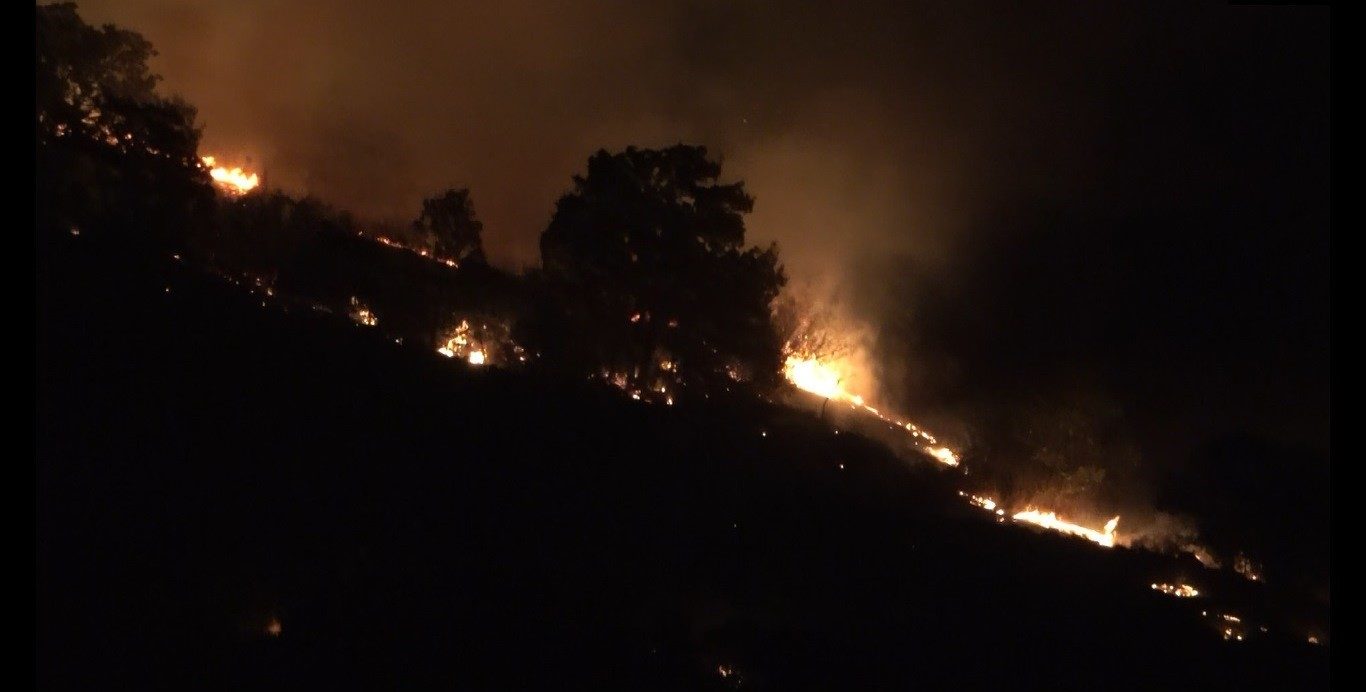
448	220
645	263
110	150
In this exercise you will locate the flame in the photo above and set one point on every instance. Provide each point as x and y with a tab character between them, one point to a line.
234	181
984	502
821	379
944	454
485	343
420	252
360	312
1053	522
826	378
1177	590
1244	565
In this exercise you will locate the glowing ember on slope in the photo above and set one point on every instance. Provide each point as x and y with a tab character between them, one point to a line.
944	454
360	313
1053	522
1244	565
1177	590
825	378
420	252
488	342
984	502
234	181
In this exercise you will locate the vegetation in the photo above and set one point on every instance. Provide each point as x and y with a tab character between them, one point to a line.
644	271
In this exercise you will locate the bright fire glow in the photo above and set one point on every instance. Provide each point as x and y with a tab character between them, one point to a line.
1177	590
1053	522
826	379
945	455
816	377
485	342
234	180
984	502
361	313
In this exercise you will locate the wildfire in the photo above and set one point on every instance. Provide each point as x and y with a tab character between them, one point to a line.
234	181
826	379
1177	590
984	502
362	314
485	343
821	379
1244	565
459	343
1053	522
944	454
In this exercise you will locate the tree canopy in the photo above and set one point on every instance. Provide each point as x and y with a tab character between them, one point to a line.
111	151
448	221
646	256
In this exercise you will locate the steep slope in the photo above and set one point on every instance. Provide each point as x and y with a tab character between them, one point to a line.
232	496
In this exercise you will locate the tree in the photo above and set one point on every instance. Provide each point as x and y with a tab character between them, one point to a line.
646	260
111	152
448	220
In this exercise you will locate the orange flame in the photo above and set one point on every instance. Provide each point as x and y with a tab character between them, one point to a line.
826	379
1053	522
234	181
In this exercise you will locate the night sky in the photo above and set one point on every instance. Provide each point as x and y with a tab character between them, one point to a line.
1096	205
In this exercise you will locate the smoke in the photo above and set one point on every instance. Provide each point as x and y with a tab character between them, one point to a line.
373	106
1014	206
1169	533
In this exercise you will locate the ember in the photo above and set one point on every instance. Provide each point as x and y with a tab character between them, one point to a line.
359	312
489	343
1177	590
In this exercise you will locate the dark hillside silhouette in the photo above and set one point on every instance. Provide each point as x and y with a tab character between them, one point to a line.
211	466
280	447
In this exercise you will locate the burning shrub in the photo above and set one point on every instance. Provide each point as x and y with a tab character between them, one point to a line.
481	341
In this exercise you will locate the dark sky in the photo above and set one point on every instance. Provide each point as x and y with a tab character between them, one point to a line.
1026	200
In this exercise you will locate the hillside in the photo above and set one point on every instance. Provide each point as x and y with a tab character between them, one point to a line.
235	496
